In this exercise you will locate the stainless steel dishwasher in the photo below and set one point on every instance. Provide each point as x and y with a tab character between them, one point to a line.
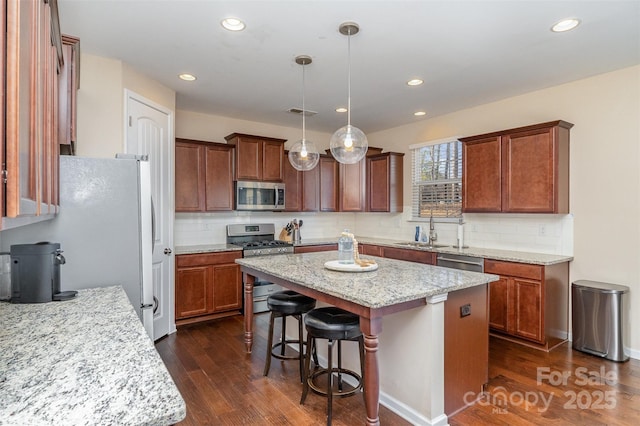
460	261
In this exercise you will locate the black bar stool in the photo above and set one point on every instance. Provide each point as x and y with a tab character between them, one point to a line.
333	324
283	304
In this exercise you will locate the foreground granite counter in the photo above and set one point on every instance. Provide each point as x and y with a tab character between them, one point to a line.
86	361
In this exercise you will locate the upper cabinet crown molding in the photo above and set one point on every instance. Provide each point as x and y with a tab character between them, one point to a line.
521	170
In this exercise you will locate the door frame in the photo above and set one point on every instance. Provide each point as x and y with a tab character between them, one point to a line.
170	214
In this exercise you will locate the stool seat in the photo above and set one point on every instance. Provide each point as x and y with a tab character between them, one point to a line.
333	323
288	302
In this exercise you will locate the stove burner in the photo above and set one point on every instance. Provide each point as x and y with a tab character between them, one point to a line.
265	243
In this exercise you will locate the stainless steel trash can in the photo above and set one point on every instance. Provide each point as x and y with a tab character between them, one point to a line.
599	318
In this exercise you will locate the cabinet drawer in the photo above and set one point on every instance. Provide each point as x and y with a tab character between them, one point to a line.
203	259
409	255
314	249
522	270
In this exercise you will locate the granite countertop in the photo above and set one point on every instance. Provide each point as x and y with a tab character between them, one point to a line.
496	254
85	361
206	248
395	281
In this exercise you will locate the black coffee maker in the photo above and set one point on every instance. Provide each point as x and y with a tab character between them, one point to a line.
35	273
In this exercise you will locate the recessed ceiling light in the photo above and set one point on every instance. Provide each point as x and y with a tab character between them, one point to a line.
187	77
415	82
419	113
565	25
233	24
341	109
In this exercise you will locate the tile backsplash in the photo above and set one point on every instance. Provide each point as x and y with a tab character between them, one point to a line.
552	234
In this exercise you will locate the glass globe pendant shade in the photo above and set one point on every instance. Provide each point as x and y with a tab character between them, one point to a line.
349	144
303	155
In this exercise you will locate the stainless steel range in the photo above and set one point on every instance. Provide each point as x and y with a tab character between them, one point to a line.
258	239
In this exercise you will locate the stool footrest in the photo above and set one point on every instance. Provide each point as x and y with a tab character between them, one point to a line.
279	345
322	390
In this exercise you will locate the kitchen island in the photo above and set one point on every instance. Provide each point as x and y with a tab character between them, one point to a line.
410	295
83	361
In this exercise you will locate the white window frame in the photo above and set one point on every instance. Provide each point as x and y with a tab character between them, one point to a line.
444	173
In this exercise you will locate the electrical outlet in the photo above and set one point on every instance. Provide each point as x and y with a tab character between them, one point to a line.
465	310
542	230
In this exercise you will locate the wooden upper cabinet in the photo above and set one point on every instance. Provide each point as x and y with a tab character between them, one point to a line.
190	177
258	158
31	60
536	170
481	175
523	170
293	186
310	190
328	168
385	182
204	176
68	85
352	186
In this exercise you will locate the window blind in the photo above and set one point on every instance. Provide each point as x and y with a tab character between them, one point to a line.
436	172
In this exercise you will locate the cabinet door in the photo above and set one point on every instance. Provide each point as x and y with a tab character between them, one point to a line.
529	176
227	288
498	304
190	177
352	186
293	187
314	249
249	159
481	175
193	291
328	184
219	178
425	257
310	190
272	161
370	249
529	318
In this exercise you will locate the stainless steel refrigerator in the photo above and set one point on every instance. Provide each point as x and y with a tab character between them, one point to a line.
104	228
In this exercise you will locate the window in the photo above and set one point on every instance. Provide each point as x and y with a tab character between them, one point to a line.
437	179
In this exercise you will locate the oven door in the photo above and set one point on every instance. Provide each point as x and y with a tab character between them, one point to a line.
261	291
259	196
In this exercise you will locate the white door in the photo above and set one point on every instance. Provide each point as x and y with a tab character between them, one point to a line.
150	132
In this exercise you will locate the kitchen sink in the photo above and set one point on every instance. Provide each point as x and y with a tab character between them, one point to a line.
421	245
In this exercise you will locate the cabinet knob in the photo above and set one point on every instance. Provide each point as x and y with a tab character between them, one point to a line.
167	251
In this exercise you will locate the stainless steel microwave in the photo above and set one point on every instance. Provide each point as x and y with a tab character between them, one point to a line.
259	195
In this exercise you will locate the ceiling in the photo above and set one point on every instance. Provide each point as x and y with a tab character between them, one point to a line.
467	52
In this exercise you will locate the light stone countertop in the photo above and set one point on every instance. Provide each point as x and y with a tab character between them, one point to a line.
496	254
85	361
395	281
206	248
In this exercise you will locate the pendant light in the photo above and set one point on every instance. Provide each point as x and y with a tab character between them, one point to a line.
349	144
303	155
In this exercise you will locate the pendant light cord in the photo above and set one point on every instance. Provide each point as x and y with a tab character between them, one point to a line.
349	77
304	138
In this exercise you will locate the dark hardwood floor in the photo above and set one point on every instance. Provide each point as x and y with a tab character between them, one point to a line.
224	386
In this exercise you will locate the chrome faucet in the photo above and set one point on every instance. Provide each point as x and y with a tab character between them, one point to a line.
433	236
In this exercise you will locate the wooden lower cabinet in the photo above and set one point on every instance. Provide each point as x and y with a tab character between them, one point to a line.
314	249
208	285
529	302
426	257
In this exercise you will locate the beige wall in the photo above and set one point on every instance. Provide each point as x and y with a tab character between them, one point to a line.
605	160
101	103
